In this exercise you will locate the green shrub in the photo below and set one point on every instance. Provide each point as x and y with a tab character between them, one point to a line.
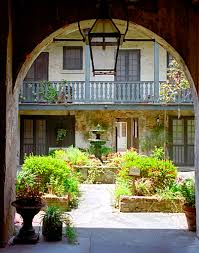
161	172
52	152
55	187
130	155
144	187
155	138
48	91
164	174
155	174
171	191
93	174
158	153
115	159
27	188
187	190
53	173
45	167
71	234
122	188
72	155
103	150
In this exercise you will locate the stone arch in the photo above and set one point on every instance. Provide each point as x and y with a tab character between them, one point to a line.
73	27
175	26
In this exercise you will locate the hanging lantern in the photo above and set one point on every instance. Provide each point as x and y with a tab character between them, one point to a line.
104	40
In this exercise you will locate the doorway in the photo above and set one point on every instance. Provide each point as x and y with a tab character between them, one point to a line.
121	136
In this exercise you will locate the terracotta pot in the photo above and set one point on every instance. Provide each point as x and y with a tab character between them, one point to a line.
190	213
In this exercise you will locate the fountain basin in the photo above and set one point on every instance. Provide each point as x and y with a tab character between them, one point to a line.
97	142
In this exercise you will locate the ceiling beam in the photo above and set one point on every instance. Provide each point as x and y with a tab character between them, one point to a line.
149	6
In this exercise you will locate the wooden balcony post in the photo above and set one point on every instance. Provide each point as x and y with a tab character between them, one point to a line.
156	71
87	73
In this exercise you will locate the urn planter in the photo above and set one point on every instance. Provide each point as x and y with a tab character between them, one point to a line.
26	233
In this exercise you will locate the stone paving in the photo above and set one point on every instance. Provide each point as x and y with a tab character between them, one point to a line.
102	229
96	210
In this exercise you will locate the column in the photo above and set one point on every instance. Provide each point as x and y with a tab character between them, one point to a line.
156	71
3	66
196	165
87	73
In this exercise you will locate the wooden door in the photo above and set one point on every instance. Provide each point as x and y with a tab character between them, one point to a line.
135	134
33	137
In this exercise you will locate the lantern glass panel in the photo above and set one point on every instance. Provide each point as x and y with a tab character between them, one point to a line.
104	26
104	60
104	40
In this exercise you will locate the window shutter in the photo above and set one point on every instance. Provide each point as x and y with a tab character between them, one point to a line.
72	58
39	69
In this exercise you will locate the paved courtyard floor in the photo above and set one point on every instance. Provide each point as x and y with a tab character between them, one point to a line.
102	229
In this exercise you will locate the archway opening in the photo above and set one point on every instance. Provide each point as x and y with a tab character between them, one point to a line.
145	76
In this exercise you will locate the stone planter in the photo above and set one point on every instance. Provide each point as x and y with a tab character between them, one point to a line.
53	200
149	204
106	174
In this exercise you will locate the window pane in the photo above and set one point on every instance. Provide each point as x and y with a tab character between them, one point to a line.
72	58
128	65
124	129
28	131
40	136
178	155
190	132
28	137
178	132
40	131
183	141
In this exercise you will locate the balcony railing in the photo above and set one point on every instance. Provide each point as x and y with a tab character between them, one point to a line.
97	92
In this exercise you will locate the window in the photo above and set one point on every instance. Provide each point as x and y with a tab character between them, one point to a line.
182	142
128	70
128	65
39	69
72	58
33	137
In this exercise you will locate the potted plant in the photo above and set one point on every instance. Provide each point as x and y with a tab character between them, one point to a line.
61	134
187	190
28	203
53	220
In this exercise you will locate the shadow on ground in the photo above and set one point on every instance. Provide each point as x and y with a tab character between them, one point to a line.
114	240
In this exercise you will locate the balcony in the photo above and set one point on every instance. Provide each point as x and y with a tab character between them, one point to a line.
76	94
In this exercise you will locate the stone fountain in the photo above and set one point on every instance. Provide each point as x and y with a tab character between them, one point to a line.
97	143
